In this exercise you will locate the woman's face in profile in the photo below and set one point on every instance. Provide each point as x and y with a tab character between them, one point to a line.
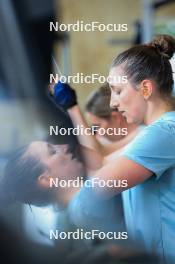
57	158
126	98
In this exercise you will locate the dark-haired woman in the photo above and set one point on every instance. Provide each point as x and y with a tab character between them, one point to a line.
148	164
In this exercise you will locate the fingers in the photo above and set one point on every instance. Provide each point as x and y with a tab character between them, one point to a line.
51	88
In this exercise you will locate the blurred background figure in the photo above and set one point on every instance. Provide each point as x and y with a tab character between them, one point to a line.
99	113
26	45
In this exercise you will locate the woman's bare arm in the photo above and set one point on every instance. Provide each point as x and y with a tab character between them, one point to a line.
122	169
90	141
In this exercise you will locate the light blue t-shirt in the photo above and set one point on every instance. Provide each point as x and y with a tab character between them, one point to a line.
88	211
149	207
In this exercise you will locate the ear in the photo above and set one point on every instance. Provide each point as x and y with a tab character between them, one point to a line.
146	89
44	180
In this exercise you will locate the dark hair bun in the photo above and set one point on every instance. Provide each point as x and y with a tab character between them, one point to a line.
165	44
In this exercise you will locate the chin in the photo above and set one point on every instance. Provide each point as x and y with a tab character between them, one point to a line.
79	168
130	120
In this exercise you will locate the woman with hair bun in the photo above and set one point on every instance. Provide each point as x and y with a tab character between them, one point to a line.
148	163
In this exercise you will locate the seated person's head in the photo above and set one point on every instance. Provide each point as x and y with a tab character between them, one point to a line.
100	114
29	170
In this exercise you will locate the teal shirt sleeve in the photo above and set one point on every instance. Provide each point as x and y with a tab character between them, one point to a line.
154	147
88	211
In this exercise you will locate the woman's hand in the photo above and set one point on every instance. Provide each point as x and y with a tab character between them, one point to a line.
63	95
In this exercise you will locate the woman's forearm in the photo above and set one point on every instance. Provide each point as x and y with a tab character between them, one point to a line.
89	140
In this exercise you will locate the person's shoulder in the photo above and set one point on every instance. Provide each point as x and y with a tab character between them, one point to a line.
166	123
160	132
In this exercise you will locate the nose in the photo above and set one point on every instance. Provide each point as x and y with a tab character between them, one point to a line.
114	103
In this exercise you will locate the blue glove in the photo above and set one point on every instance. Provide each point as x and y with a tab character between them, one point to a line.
64	95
